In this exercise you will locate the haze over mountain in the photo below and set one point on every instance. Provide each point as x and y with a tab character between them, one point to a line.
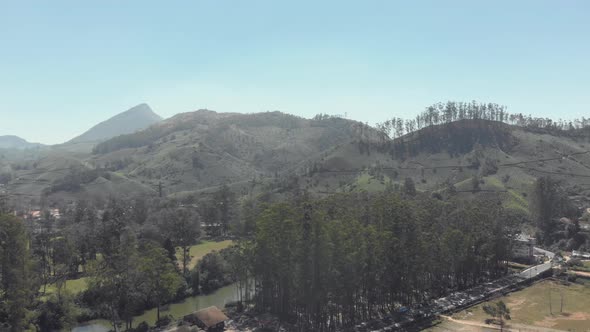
15	142
130	121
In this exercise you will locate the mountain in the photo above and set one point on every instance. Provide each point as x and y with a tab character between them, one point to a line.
277	154
197	150
130	121
15	142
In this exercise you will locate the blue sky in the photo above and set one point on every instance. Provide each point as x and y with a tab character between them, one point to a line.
66	65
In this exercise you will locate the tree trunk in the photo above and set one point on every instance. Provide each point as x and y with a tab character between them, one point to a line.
561	304
158	312
184	259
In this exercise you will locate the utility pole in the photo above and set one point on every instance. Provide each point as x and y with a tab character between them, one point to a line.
561	304
550	310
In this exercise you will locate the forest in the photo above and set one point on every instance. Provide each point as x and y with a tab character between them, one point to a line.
328	264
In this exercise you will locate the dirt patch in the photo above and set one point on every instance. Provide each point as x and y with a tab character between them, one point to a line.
553	321
547	322
579	316
516	303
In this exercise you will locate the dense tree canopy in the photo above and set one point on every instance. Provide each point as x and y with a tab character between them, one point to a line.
332	263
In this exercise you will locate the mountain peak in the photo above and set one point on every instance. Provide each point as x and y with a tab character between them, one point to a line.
134	119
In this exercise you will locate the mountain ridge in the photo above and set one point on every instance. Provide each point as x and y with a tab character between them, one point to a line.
134	119
16	142
274	153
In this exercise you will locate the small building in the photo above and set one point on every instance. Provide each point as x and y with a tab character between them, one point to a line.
38	214
209	319
580	254
523	248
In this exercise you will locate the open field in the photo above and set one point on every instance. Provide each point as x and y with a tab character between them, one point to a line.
540	306
73	286
198	251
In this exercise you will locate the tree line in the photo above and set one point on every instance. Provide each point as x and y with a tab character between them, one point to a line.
451	111
329	264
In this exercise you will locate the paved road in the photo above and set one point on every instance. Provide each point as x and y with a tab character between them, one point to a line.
534	271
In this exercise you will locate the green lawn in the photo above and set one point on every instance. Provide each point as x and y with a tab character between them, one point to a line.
531	306
73	286
198	251
584	268
368	183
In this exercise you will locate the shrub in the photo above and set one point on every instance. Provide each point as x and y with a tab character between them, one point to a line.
164	321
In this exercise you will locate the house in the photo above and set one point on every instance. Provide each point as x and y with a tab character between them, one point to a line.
35	215
55	214
209	319
38	214
523	248
580	254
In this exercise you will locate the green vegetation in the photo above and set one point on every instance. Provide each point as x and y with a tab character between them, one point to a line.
516	202
369	183
499	311
16	273
72	286
198	251
579	265
345	258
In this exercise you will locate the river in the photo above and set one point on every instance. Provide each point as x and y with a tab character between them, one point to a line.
178	310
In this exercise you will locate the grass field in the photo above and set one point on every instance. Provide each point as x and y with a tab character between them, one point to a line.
198	251
369	183
531	306
583	268
73	286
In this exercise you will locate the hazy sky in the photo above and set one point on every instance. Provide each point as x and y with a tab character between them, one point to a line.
66	65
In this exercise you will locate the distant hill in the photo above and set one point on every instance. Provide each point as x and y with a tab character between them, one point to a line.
130	121
277	154
15	142
196	150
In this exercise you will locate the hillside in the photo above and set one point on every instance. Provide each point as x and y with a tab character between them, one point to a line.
196	150
276	153
130	121
505	159
15	142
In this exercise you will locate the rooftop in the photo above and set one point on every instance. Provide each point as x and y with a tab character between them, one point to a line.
211	316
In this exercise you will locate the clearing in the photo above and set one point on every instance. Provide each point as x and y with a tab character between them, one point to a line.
198	251
72	286
540	305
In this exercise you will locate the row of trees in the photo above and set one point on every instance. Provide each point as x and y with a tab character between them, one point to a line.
329	264
451	111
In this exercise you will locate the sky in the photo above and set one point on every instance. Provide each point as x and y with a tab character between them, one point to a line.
67	65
